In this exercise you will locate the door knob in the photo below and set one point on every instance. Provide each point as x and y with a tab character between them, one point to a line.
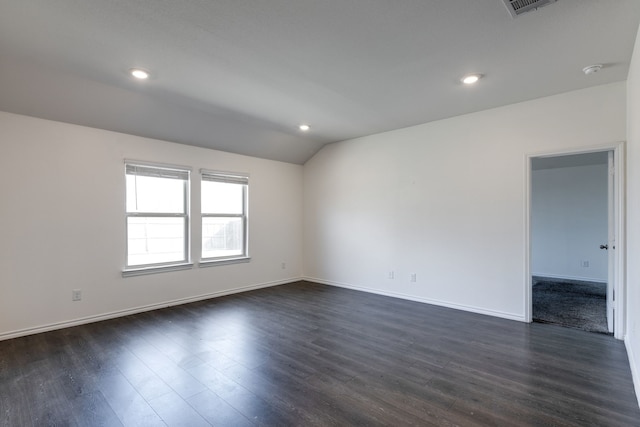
604	246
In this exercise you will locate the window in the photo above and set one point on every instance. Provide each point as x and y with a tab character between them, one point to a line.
224	216
157	216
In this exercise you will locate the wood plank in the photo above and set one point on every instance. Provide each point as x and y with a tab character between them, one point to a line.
308	354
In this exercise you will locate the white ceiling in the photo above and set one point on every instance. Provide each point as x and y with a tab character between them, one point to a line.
240	75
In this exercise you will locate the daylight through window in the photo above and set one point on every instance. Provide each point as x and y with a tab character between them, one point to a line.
224	216
157	215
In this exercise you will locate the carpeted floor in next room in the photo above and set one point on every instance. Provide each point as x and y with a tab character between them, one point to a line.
581	305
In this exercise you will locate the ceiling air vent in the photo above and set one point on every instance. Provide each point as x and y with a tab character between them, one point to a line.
518	7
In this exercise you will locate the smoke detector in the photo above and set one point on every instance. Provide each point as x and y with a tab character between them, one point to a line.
518	7
592	69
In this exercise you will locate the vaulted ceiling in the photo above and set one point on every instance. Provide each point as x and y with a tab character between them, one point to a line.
241	75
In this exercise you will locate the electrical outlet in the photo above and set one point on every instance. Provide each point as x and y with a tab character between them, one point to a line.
413	277
283	265
76	295
585	264
391	275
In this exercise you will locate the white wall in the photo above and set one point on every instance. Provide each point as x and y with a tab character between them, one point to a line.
633	216
569	222
62	224
444	200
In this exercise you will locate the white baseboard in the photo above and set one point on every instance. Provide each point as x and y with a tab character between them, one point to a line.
141	309
635	374
478	310
577	278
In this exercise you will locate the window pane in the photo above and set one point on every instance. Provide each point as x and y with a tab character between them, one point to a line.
153	240
154	194
221	198
222	237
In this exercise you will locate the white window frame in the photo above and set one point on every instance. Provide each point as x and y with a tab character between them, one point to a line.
150	169
231	178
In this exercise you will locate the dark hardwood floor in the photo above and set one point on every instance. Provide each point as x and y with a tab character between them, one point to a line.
307	354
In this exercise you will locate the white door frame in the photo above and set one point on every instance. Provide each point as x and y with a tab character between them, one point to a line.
611	239
619	253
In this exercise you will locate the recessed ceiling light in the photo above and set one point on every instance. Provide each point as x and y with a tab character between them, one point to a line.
304	128
471	79
139	73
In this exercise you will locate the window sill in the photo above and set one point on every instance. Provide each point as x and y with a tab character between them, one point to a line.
227	261
131	272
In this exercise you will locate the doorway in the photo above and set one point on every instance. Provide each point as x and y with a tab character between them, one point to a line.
573	226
